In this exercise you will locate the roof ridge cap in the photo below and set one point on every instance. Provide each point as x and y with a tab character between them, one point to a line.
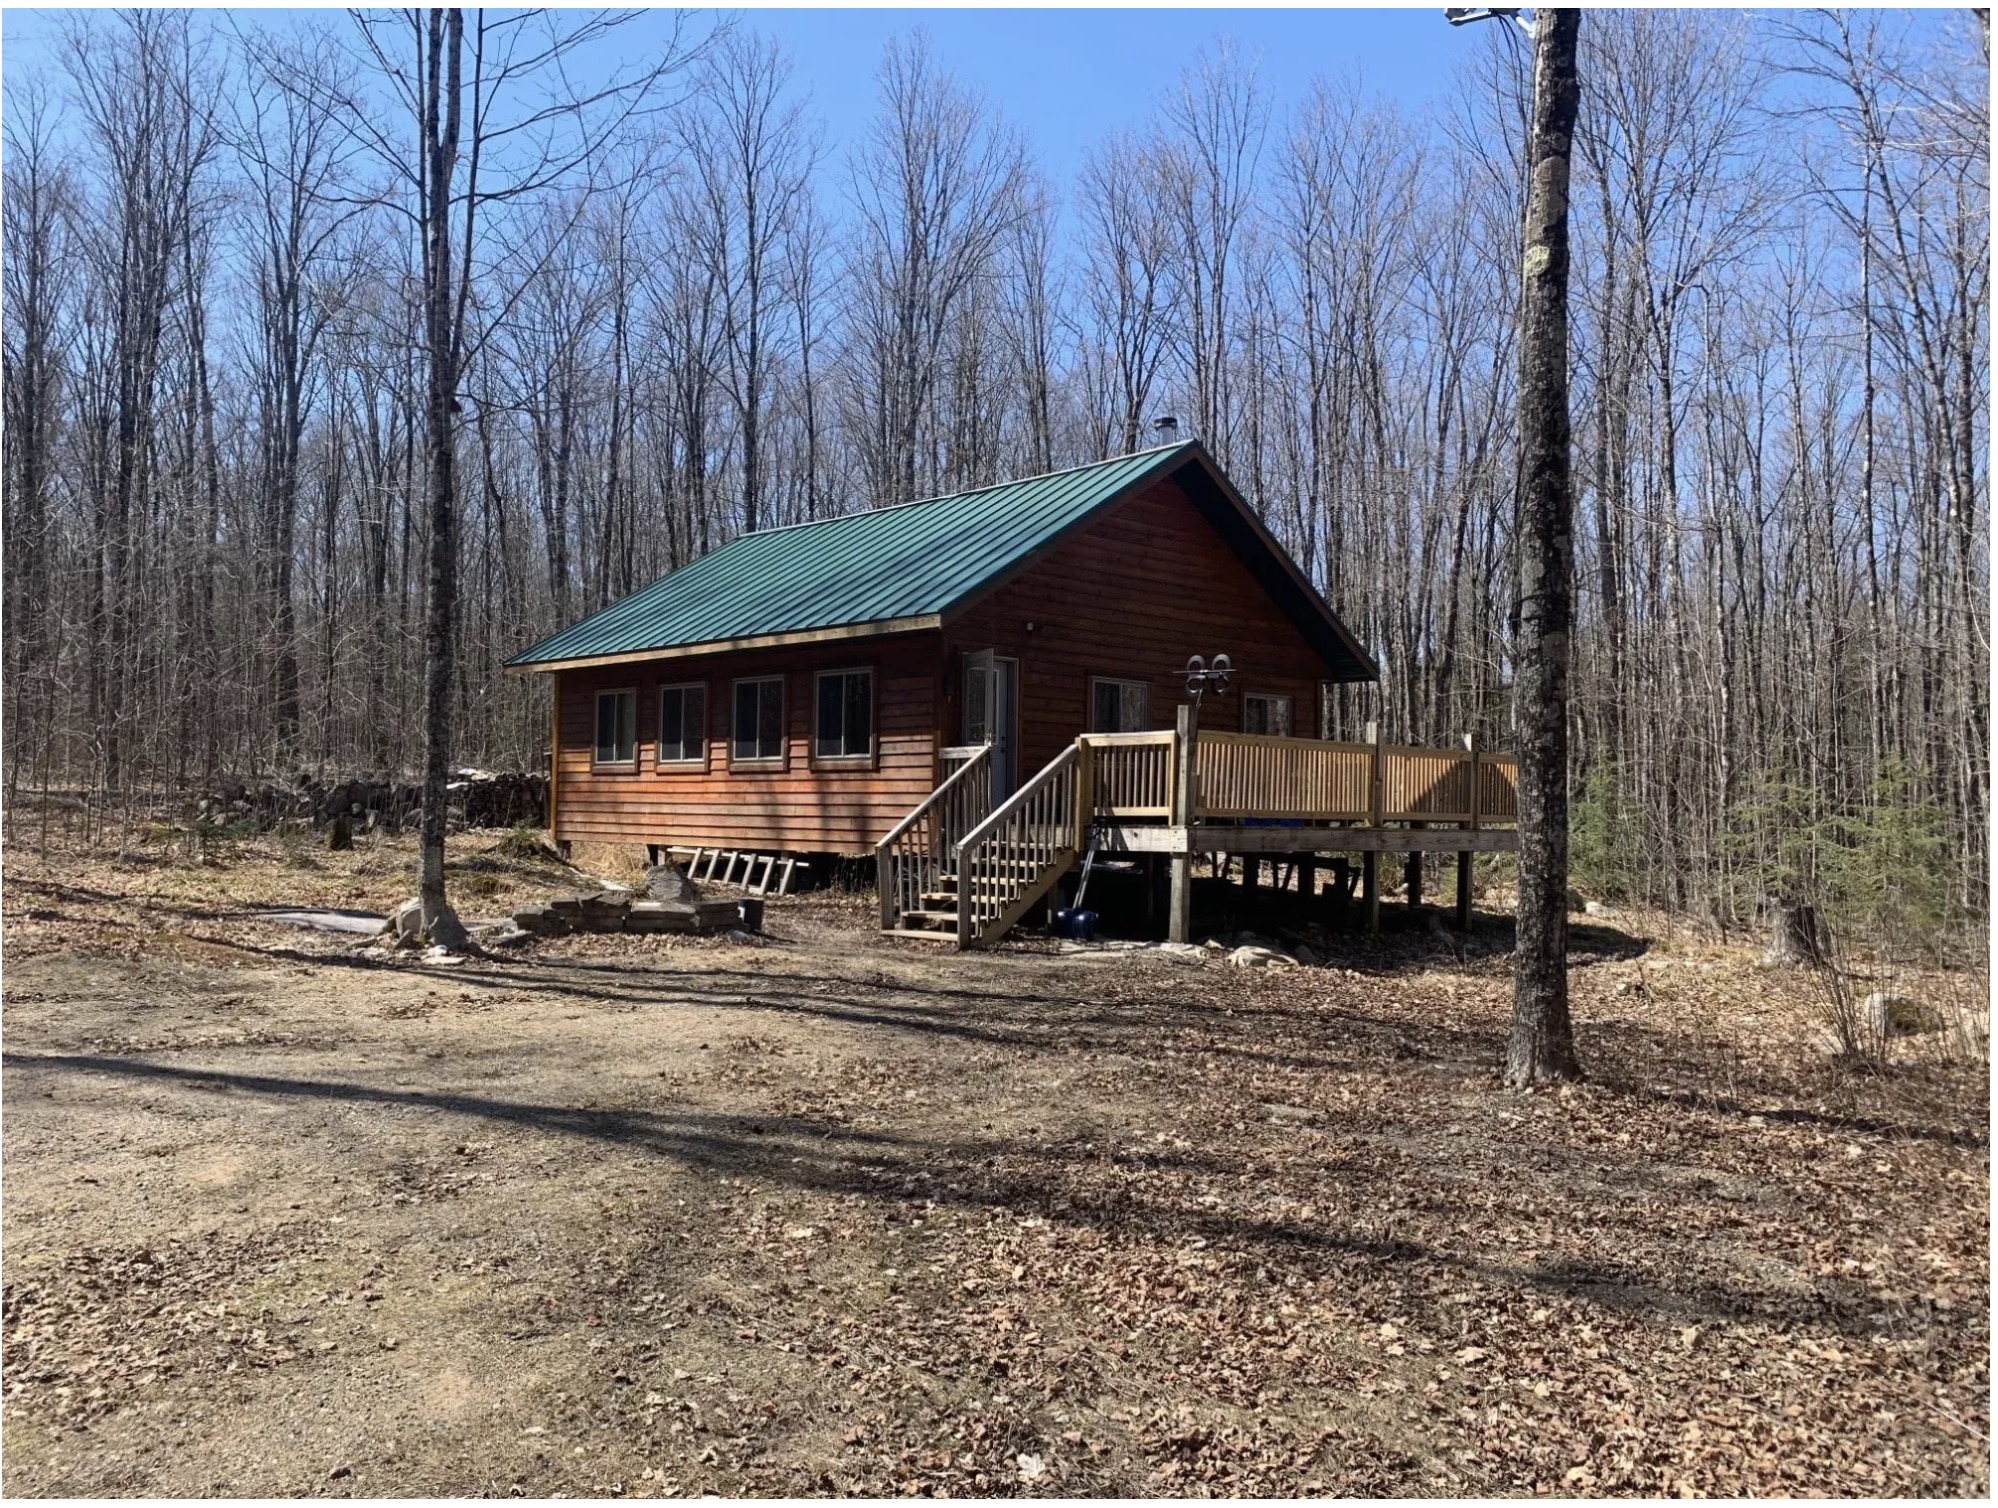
945	497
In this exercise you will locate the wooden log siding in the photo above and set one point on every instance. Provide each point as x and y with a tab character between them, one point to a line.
800	807
1129	596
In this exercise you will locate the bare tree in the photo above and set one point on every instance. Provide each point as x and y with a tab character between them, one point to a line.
1218	119
752	158
1130	275
38	278
292	148
489	134
936	187
1543	1044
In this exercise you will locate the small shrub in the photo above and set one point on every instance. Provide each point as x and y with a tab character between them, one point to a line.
1603	837
1841	1010
295	846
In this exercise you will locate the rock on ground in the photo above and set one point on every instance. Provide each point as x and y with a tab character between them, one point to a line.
407	923
1261	958
669	883
1900	1015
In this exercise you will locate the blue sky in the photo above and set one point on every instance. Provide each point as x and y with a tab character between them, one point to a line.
1065	78
1069	77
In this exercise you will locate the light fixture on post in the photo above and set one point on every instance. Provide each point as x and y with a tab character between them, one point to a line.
1204	675
1464	15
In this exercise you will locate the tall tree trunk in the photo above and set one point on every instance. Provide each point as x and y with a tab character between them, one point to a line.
1543	1044
440	328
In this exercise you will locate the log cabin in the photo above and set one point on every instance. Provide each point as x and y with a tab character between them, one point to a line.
891	679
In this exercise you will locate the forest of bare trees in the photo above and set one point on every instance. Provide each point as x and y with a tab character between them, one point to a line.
714	319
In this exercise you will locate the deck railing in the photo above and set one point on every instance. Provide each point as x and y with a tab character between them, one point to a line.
1254	775
1132	773
1251	775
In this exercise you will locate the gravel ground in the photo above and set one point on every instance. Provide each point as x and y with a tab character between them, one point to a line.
287	1214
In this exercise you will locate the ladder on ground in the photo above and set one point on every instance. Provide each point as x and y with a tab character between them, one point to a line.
957	870
758	873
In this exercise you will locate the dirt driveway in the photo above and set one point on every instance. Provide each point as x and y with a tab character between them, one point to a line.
286	1214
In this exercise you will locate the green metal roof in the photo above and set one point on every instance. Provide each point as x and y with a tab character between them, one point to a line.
912	565
912	561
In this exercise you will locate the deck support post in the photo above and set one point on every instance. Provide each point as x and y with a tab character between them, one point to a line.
1466	857
1412	876
1370	861
1185	804
1307	875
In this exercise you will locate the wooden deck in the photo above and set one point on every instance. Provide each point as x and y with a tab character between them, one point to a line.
1368	793
953	867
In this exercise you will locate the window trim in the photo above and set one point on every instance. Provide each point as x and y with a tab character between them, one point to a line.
1270	696
871	760
613	766
694	766
1089	712
781	760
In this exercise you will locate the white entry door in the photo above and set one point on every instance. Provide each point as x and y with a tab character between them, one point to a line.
992	714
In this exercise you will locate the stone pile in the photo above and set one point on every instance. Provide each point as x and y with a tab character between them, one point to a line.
671	904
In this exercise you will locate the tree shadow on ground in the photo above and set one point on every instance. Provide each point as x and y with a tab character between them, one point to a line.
1060	1183
1632	1059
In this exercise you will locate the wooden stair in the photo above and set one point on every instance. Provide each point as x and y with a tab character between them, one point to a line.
969	884
933	917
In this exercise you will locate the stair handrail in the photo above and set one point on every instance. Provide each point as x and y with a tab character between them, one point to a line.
976	761
1071	761
887	882
1019	798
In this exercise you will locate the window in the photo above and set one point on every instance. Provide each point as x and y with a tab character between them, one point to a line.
617	727
1266	714
845	727
683	724
1120	706
758	734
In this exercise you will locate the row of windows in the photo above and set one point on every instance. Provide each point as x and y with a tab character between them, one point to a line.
843	722
843	728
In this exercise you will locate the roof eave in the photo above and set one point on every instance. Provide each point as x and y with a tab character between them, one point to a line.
834	634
